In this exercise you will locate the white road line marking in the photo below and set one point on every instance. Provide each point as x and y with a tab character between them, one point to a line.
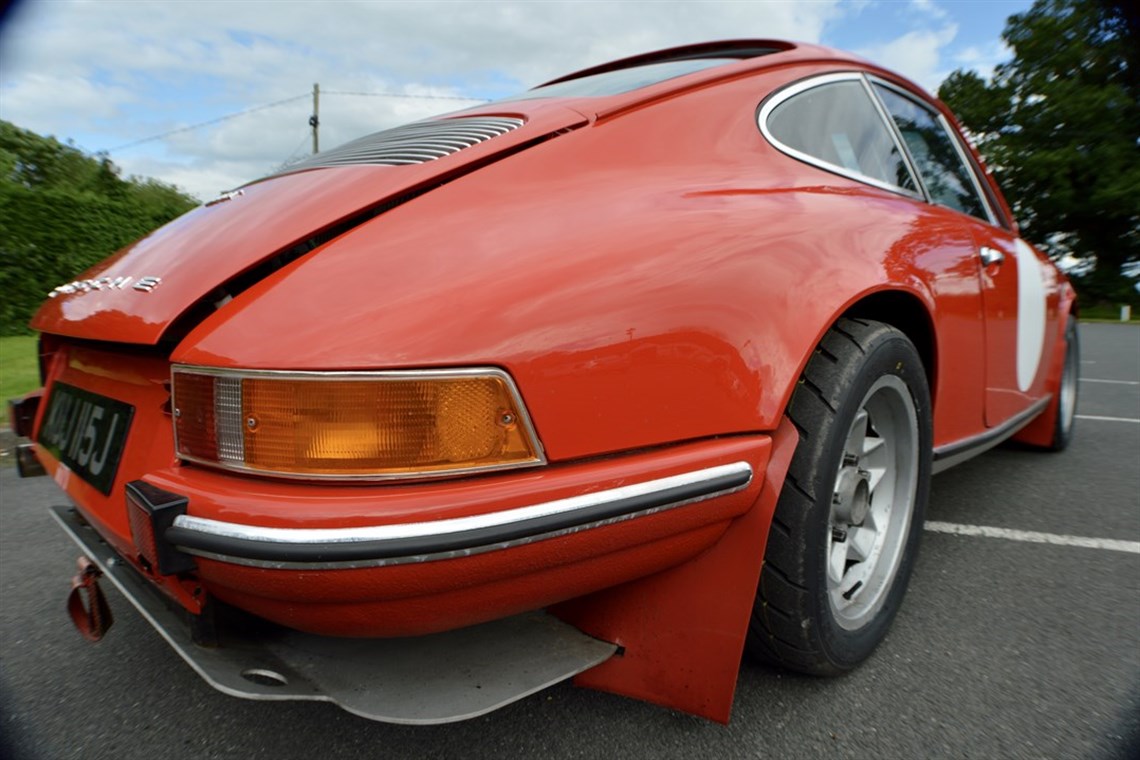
1087	361
1111	382
1109	544
1106	419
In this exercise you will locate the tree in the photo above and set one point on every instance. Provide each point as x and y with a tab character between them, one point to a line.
62	211
1059	125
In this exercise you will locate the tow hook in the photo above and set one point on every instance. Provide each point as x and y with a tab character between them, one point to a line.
93	618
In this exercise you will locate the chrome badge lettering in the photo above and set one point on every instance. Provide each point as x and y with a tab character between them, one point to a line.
228	195
142	284
147	284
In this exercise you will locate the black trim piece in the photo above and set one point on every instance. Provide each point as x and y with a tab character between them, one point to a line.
742	49
158	508
349	551
28	464
22	414
995	435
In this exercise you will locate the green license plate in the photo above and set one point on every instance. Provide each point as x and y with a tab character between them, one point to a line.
86	432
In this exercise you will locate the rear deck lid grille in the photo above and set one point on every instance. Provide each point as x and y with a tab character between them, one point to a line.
415	143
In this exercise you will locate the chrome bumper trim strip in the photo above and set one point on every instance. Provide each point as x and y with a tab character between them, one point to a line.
439	539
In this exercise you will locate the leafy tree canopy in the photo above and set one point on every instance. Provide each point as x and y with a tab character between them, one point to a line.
61	212
1059	125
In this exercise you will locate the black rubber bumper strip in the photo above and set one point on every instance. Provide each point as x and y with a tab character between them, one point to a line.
994	435
357	551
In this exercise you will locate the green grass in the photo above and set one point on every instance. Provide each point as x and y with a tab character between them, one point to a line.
19	370
1106	313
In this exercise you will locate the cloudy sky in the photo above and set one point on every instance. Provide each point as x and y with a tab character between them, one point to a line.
109	75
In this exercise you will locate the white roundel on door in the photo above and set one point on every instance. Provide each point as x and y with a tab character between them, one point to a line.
1030	314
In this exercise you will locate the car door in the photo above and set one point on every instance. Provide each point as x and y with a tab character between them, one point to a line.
1020	296
1012	277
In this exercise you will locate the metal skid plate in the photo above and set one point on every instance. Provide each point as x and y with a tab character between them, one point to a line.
440	678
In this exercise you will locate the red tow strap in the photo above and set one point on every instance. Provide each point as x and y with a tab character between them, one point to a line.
93	618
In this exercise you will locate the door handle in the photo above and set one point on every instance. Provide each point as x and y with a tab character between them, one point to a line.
990	255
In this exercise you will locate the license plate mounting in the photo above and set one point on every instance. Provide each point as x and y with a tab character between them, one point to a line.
87	432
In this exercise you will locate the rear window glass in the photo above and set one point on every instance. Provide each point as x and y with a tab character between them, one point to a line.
622	80
837	124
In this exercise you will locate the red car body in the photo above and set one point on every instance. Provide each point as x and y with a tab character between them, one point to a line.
650	271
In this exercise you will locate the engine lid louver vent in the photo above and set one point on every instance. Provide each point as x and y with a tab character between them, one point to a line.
415	143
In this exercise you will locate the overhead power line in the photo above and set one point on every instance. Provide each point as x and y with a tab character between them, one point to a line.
405	95
283	101
201	124
295	156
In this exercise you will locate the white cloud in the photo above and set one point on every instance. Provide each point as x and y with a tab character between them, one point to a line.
916	55
928	8
983	59
38	96
109	72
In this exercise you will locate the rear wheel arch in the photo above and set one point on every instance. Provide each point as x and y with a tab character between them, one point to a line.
906	313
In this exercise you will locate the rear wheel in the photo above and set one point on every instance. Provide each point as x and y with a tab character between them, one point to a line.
1067	389
847	524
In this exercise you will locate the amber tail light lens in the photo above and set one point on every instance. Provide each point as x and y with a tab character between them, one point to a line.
352	425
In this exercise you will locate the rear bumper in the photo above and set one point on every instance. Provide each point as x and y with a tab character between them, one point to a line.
417	559
420	559
312	548
398	559
436	679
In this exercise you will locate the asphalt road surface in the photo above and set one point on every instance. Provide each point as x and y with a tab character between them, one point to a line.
1005	647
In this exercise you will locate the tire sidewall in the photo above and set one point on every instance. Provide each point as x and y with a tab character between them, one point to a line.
1062	433
894	355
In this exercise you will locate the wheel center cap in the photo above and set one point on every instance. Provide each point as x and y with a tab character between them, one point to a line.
852	498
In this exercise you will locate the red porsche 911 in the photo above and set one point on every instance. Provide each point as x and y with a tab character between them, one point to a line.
616	380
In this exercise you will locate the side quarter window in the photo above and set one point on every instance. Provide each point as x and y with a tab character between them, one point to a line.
936	155
835	125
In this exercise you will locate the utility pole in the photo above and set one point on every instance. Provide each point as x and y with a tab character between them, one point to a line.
315	119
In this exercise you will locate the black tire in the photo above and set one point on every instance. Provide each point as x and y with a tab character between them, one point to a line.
802	620
1067	389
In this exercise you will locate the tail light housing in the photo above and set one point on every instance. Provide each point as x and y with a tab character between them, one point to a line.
352	425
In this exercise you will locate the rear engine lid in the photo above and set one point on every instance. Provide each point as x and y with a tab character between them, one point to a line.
203	257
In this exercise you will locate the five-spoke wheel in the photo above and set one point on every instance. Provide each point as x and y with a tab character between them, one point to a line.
846	529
